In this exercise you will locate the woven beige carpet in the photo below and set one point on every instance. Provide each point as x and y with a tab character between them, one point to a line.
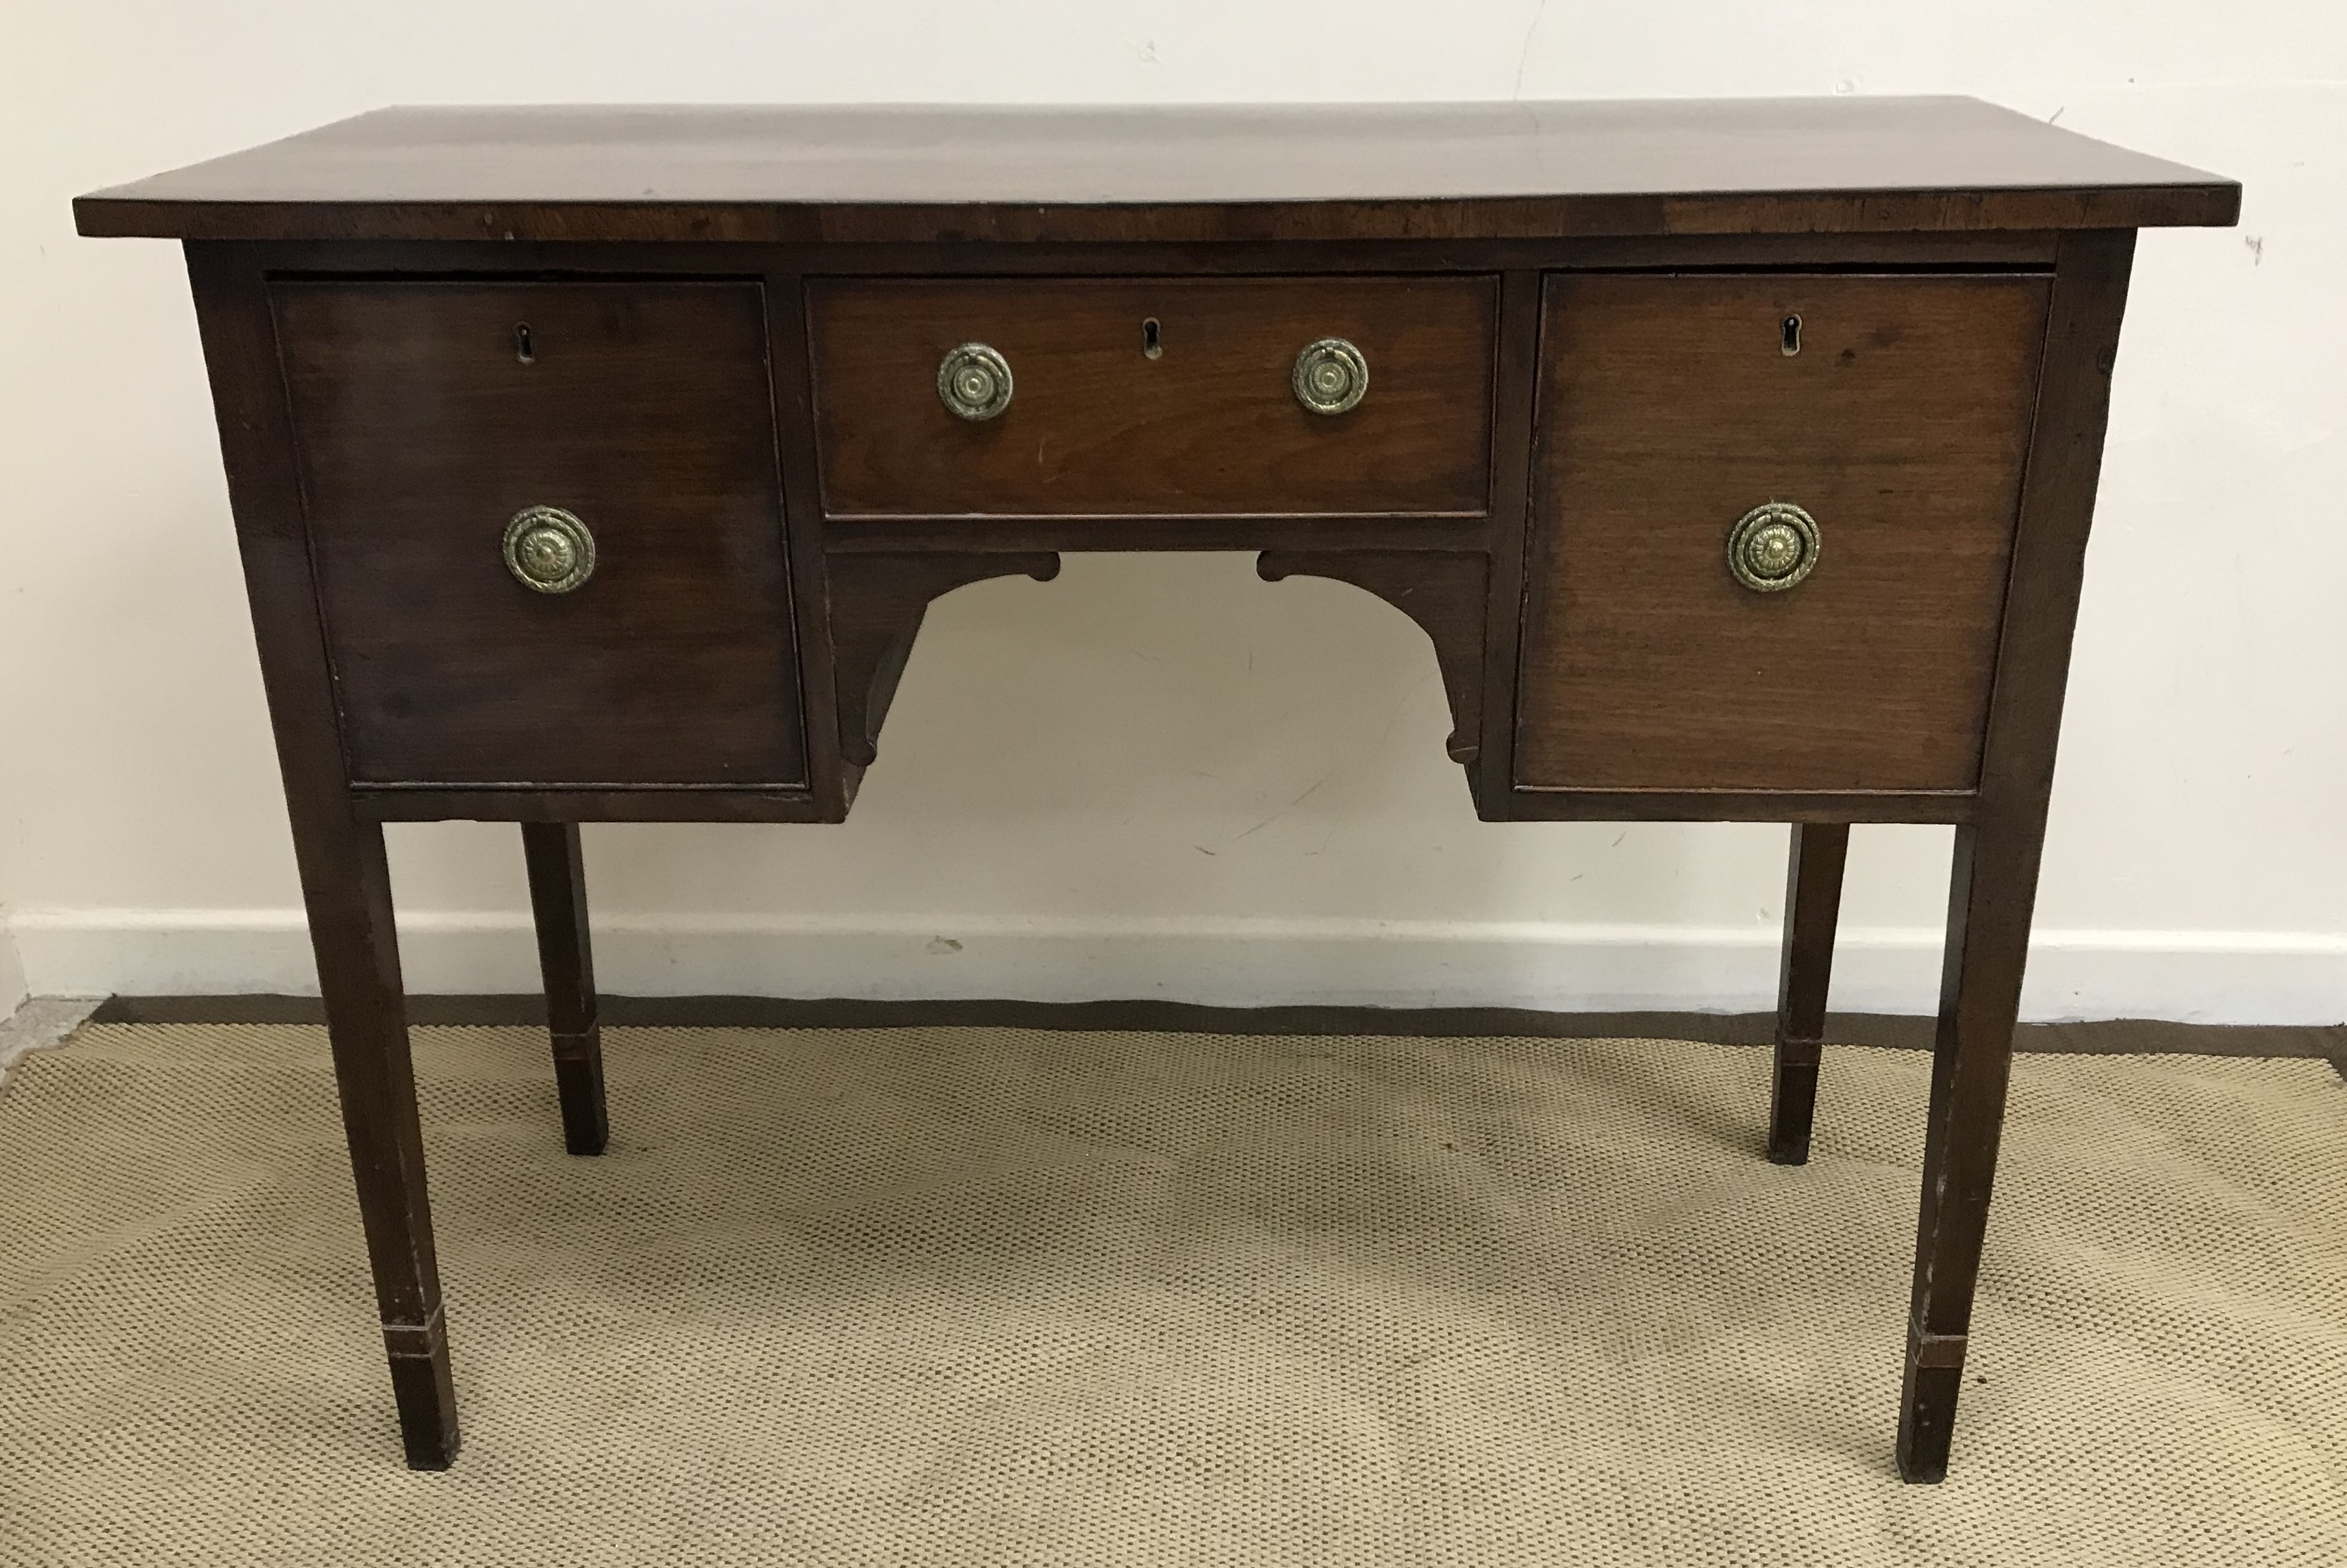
991	1296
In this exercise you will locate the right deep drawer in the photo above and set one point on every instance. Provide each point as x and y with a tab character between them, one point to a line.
1773	516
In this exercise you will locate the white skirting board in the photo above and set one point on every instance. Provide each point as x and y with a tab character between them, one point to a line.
2192	977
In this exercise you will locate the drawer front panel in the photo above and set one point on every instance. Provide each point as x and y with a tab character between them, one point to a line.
1669	409
645	411
1209	424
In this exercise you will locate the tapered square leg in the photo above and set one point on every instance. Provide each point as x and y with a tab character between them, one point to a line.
1991	890
422	1390
347	885
558	898
1812	905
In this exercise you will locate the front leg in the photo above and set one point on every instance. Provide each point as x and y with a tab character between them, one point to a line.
347	886
1992	889
1812	907
557	900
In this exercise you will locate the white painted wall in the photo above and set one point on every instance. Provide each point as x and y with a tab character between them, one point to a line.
1158	775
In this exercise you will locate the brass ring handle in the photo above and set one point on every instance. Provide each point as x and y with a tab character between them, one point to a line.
1330	375
1773	546
974	381
549	550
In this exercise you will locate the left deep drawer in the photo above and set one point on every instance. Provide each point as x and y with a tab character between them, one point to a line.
546	525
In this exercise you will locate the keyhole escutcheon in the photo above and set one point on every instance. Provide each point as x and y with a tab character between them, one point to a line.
1150	345
524	349
1789	335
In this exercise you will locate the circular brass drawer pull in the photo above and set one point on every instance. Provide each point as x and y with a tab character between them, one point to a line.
1772	547
974	381
1331	375
548	549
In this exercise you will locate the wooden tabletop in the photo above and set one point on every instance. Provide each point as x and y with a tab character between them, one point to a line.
1479	170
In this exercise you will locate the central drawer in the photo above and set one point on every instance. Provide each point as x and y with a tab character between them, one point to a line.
1074	397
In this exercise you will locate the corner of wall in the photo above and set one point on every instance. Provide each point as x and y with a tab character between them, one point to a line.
12	970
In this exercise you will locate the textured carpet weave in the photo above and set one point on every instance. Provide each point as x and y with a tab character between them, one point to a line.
993	1297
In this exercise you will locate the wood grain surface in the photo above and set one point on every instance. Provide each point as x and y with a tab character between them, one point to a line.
1543	476
646	412
1668	410
1166	173
1993	890
1210	426
345	876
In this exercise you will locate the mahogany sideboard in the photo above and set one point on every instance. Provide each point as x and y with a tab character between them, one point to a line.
1737	459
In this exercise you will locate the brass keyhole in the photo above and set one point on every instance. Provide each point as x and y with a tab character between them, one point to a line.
1150	347
1789	335
523	349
